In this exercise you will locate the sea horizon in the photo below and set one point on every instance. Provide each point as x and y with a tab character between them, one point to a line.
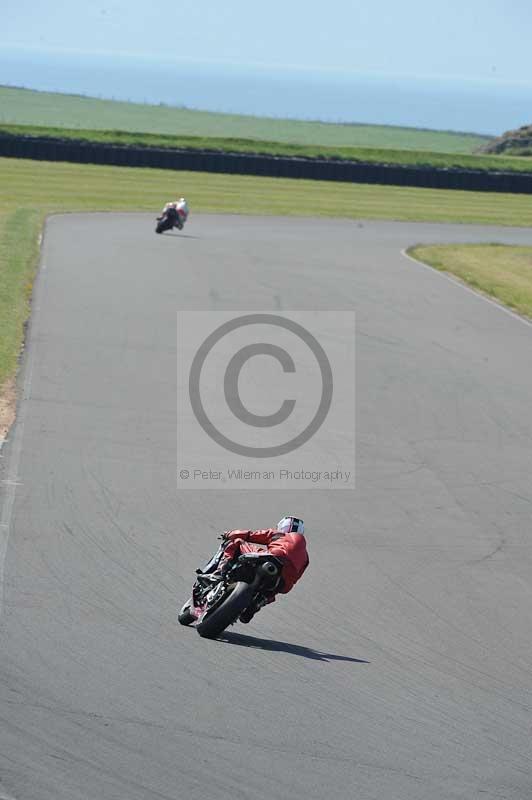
440	104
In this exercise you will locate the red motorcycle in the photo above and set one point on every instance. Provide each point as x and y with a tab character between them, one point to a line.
169	219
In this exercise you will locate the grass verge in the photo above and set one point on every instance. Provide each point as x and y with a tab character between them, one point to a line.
500	271
33	189
19	229
18	254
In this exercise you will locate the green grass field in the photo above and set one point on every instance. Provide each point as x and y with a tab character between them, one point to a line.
500	271
33	189
26	107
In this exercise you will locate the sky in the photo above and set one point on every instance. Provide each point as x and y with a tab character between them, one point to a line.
477	40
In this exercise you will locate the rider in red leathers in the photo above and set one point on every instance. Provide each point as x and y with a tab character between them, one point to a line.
286	542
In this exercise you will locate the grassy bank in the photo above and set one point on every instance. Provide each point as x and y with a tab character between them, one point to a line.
26	107
33	189
501	271
361	154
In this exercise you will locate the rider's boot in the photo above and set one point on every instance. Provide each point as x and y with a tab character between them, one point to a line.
248	613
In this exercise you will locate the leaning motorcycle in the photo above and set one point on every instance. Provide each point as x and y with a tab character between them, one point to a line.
217	600
168	220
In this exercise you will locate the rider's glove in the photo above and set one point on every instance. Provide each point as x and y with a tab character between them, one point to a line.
232	535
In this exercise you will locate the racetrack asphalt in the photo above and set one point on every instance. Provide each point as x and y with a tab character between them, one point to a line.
400	667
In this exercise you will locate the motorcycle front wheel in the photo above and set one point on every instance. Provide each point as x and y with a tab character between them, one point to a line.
217	620
164	224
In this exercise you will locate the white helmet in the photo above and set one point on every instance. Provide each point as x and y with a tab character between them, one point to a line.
291	525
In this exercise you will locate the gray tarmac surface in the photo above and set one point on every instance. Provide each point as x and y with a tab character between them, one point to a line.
400	667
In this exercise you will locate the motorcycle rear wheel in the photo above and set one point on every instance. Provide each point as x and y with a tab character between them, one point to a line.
217	620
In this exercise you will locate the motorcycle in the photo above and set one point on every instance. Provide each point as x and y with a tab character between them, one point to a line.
168	220
218	600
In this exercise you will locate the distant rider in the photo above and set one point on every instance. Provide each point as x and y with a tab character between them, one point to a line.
286	542
180	209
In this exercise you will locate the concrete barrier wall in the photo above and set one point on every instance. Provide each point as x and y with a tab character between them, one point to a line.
46	149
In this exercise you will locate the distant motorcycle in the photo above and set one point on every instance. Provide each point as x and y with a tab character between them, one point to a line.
169	219
217	600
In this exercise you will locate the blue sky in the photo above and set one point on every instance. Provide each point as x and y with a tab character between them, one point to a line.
474	39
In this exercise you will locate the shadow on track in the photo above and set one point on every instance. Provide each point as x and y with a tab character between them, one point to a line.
284	647
179	235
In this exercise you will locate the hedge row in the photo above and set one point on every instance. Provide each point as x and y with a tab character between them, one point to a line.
47	149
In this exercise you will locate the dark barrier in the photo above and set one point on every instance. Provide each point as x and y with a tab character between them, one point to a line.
271	166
